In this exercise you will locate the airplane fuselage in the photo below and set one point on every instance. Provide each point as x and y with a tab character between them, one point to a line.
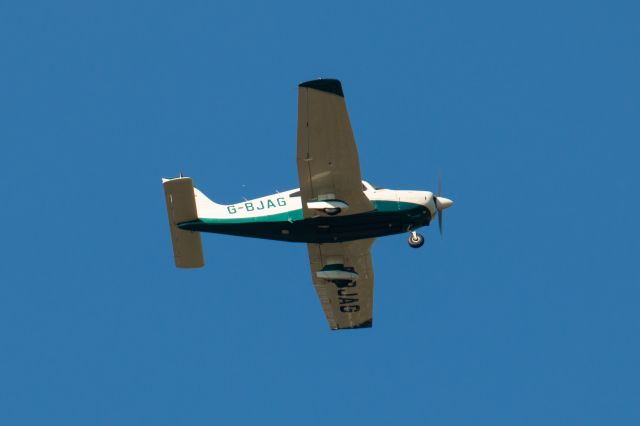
334	211
280	217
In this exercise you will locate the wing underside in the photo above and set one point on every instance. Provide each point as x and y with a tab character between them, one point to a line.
327	156
346	303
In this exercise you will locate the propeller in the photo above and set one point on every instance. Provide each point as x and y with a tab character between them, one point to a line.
438	208
441	204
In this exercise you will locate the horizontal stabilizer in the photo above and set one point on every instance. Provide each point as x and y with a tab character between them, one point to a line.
181	207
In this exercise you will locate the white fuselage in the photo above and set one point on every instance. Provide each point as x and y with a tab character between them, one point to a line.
289	201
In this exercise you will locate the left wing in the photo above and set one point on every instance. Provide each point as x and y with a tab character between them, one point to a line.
328	164
347	303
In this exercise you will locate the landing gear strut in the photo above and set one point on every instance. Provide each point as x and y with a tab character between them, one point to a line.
416	240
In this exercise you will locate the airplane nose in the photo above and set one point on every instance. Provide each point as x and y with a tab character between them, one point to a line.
444	203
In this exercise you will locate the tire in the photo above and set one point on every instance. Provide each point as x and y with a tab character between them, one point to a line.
416	242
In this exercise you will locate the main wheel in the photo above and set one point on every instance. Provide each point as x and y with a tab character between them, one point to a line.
333	211
416	240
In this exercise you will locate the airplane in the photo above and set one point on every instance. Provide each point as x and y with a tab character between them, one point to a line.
336	213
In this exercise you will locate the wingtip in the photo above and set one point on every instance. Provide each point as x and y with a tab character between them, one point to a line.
329	85
364	324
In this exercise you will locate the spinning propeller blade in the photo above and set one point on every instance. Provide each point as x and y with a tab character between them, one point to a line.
441	203
438	207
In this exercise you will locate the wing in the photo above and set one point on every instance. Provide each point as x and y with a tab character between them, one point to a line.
328	164
346	303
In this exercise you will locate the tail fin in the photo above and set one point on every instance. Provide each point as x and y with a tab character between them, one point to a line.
206	207
181	207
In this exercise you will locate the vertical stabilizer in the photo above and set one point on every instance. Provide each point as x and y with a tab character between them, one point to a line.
181	207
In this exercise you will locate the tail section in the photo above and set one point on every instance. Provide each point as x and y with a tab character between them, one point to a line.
181	200
206	207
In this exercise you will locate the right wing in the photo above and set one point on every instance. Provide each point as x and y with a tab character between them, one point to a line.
328	164
347	304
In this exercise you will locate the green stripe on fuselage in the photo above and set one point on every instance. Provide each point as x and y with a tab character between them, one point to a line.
388	217
289	216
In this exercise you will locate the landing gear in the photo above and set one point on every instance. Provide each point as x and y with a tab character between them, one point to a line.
333	211
416	240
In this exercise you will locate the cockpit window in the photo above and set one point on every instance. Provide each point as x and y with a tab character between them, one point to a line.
377	187
294	194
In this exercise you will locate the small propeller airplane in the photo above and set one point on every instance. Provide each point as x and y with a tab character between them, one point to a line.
334	211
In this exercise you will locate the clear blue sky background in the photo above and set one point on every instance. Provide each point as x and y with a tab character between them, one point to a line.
525	314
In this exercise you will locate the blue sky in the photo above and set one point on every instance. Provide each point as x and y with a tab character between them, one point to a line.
526	313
